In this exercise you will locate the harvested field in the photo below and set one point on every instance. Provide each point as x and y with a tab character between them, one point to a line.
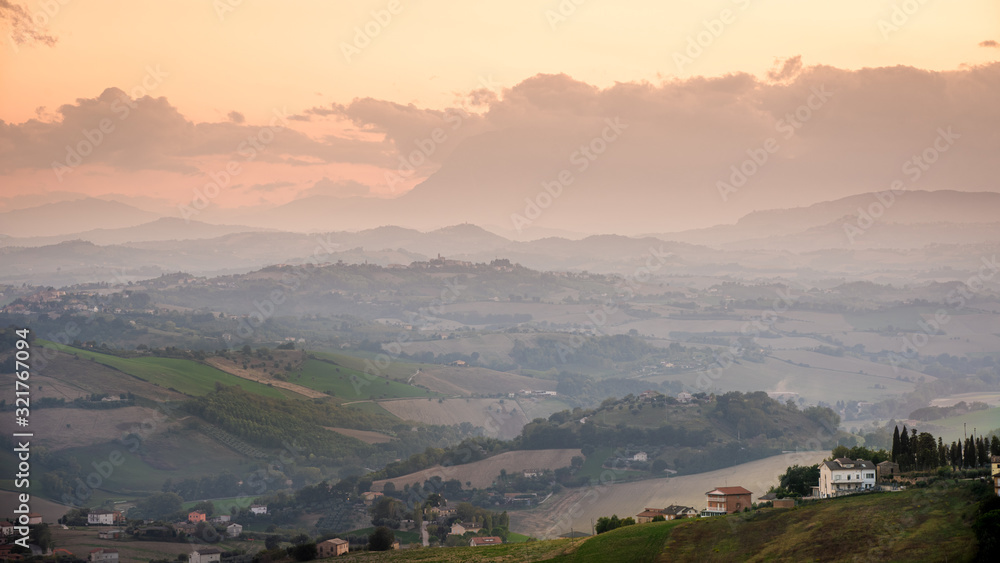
482	473
469	380
80	542
501	418
576	508
64	428
363	435
261	376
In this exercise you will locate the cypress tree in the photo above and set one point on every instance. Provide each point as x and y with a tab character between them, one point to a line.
895	445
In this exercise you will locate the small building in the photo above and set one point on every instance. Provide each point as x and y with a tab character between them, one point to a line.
844	476
34	518
457	530
332	547
370	497
103	554
6	528
886	470
234	530
111	534
684	397
221	519
485	540
727	500
205	555
639	456
103	517
196	516
648	514
675	511
258	509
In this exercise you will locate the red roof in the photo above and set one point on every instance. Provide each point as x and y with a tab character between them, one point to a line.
487	540
729	491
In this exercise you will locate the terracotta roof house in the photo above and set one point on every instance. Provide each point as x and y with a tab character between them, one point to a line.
726	500
485	540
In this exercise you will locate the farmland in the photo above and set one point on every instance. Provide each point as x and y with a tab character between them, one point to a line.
80	542
365	436
482	473
184	376
352	385
67	427
501	418
473	380
575	508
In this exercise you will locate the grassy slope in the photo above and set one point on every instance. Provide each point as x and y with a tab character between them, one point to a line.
185	376
952	428
916	525
352	385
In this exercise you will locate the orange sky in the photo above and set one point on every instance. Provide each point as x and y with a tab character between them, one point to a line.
221	56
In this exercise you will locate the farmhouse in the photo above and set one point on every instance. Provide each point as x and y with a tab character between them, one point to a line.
34	518
675	511
205	555
234	530
332	548
726	500
648	514
485	540
639	456
196	516
102	517
258	508
886	470
844	476
6	528
104	554
370	497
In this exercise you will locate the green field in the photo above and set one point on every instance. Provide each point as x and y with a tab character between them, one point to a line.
592	466
352	385
955	427
223	505
372	407
398	369
184	376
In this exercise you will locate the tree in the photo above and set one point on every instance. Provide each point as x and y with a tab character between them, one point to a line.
381	539
896	452
799	480
305	552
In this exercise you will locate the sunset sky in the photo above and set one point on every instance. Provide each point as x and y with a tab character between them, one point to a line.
219	70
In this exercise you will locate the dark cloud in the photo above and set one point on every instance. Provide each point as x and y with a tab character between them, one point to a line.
236	117
989	43
269	187
789	68
342	188
25	27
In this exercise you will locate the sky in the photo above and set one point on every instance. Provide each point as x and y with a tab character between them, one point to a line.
346	91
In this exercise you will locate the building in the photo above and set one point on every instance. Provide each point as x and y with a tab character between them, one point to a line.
648	514
332	547
844	476
485	540
103	554
221	519
684	397
886	470
258	509
34	518
234	530
196	516
675	511
995	471
102	517
205	555
727	500
111	534
6	528
370	497
639	456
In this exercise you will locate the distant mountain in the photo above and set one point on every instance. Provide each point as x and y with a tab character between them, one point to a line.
66	217
907	208
164	228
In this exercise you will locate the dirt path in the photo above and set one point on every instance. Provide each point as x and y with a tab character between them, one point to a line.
230	367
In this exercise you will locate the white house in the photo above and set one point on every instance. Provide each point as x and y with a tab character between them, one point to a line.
104	554
205	555
234	530
684	397
101	517
258	508
639	456
844	476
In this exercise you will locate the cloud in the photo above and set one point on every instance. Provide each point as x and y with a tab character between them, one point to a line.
24	27
149	133
269	187
341	188
790	68
989	43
